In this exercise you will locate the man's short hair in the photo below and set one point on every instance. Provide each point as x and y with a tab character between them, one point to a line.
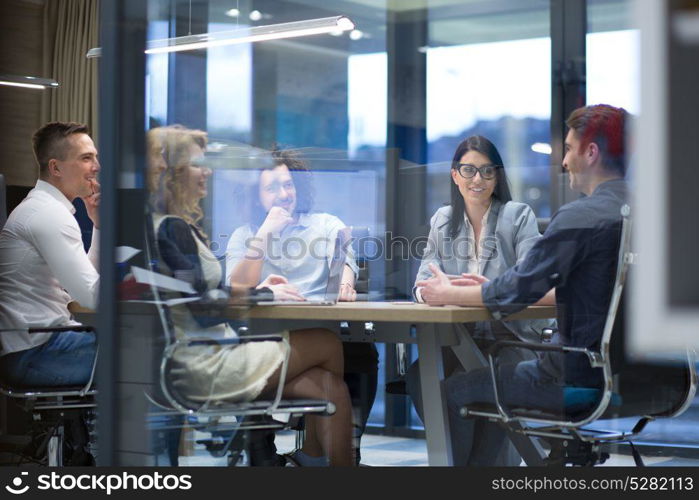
50	141
606	126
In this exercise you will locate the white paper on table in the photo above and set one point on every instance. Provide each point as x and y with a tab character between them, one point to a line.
122	254
161	281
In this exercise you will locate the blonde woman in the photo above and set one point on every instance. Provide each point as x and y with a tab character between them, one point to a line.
248	370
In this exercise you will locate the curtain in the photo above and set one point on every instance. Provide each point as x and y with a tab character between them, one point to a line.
71	27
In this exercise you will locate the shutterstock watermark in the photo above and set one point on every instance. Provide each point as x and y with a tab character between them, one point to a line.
107	483
372	248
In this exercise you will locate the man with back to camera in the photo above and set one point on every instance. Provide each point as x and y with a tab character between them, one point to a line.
43	264
577	256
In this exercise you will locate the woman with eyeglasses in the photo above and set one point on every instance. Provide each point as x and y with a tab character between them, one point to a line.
481	234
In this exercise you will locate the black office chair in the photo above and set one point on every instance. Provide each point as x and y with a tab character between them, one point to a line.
54	410
630	389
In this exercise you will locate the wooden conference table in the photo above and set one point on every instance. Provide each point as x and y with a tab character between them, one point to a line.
434	328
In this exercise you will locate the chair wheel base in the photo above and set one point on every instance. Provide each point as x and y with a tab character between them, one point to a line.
576	453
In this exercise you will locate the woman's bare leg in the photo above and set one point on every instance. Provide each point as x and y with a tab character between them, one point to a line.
315	348
315	371
332	435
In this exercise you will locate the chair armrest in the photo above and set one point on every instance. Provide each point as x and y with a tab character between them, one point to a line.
48	329
596	360
236	340
76	328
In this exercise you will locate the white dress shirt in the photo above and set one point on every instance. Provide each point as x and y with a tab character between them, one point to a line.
43	267
475	262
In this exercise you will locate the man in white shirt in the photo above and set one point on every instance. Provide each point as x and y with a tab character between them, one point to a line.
43	264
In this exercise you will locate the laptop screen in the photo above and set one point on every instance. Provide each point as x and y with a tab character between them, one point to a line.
337	264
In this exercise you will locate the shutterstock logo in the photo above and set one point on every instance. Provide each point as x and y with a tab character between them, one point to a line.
16	488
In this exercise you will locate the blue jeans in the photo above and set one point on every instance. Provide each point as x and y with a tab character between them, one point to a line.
524	384
469	445
65	360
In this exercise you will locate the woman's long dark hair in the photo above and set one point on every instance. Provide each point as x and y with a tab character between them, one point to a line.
502	188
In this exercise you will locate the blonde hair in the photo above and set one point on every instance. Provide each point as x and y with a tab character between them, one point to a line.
169	158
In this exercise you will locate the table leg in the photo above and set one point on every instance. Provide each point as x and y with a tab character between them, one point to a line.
471	358
433	398
467	352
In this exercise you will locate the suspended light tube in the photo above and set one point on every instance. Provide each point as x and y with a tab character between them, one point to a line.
542	147
245	35
28	82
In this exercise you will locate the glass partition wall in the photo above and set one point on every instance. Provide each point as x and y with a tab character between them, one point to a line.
352	128
227	163
278	140
374	113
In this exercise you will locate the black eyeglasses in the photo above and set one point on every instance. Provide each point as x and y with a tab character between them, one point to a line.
467	171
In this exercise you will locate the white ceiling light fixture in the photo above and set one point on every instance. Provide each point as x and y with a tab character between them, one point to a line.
542	147
356	35
233	12
255	15
244	35
28	82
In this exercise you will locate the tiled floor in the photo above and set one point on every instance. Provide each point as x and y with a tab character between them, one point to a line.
382	451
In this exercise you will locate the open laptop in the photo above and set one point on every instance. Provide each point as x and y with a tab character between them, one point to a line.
332	288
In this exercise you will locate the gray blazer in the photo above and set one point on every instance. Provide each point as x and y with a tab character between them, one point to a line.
510	232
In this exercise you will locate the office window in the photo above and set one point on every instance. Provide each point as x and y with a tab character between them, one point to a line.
229	89
156	78
489	73
366	105
613	55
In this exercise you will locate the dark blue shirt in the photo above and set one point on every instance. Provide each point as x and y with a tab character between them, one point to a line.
577	255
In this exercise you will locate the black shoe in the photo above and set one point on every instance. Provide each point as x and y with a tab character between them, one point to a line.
289	460
262	451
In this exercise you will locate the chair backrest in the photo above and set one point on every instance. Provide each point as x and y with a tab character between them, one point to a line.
614	324
163	338
644	387
586	404
14	196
